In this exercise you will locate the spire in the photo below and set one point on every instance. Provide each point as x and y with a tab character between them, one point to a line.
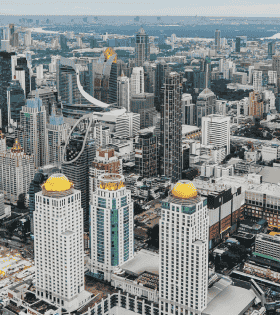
16	147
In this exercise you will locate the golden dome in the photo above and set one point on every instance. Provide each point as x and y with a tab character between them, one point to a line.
184	190
57	182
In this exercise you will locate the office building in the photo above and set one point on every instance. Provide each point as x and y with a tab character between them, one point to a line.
188	110
272	77
205	105
161	69
267	246
77	170
217	40
17	170
63	42
137	81
146	154
57	133
112	226
142	48
127	125
276	67
123	92
256	105
41	175
105	161
32	133
270	49
183	251
21	71
257	80
58	244
143	104
15	101
5	79
48	97
171	128
216	131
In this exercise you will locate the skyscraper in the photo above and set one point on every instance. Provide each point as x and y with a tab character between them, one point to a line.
57	132
270	49
205	105
58	244
123	92
15	101
16	172
161	69
32	134
276	67
137	81
171	128
216	132
142	48
63	42
105	162
183	251
21	72
5	79
112	224
257	80
217	39
146	155
256	105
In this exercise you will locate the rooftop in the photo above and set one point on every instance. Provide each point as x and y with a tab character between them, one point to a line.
143	261
184	189
57	182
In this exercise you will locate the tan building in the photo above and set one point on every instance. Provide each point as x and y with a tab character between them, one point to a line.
255	105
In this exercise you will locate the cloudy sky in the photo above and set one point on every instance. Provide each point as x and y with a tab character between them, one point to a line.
260	8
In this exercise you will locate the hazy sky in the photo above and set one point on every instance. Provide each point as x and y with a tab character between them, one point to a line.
142	7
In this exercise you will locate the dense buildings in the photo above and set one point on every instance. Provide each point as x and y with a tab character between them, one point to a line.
111	217
17	170
58	244
183	251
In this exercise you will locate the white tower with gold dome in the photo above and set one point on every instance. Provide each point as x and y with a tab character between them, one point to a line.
183	251
58	244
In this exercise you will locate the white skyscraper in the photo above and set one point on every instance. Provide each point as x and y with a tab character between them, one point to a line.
123	92
58	244
33	136
137	81
127	125
257	81
39	72
272	77
183	251
112	226
216	131
27	38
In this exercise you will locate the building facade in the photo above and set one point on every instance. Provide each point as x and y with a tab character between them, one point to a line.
183	251
58	244
112	226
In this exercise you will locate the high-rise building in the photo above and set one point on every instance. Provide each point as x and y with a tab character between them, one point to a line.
63	42
146	154
255	105
257	80
161	69
35	186
27	38
57	132
3	145
171	128
16	172
240	42
127	125
105	162
15	101
123	92
188	110
5	79
217	39
112	226
143	104
32	134
276	67
271	49
59	244
21	72
149	77
142	48
93	43
137	81
78	171
183	248
205	105
272	77
216	131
